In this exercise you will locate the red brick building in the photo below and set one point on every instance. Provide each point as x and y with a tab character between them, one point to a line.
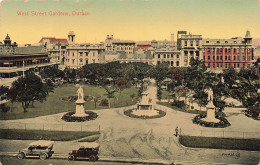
228	53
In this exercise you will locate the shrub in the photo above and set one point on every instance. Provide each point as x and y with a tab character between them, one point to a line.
104	102
69	118
179	104
4	108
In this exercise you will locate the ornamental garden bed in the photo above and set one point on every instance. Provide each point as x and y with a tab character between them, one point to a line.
221	124
68	117
130	114
74	98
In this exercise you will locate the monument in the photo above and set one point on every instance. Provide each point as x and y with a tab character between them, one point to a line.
210	109
144	103
80	111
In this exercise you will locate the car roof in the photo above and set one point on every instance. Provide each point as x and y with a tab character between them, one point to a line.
42	143
89	145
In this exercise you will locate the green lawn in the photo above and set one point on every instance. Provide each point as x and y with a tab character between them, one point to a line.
54	103
220	143
180	109
165	94
18	134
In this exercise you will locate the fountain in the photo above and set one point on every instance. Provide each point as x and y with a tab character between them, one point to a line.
144	104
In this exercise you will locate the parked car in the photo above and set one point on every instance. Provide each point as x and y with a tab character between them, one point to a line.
41	148
87	150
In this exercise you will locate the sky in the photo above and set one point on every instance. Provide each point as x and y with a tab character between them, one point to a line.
138	20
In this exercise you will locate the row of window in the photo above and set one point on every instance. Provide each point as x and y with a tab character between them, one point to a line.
191	43
168	55
225	42
171	63
73	61
221	65
227	57
220	50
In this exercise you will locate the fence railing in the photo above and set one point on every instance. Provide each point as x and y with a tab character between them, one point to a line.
221	134
50	126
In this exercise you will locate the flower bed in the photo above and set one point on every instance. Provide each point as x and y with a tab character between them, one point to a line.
221	124
74	98
69	118
130	114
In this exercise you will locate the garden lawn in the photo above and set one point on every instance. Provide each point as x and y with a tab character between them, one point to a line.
54	103
165	94
180	109
15	134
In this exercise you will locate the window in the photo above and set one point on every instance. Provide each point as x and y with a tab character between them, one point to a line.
234	50
235	41
197	43
225	49
171	63
208	57
208	50
243	57
225	57
220	57
229	50
234	58
218	42
207	41
80	53
238	65
73	54
228	57
213	65
217	49
225	65
217	65
73	61
177	63
80	60
159	56
164	56
203	57
217	57
86	54
171	55
243	65
86	61
208	65
177	56
186	53
191	43
234	65
168	56
220	50
185	42
226	42
221	65
237	57
213	57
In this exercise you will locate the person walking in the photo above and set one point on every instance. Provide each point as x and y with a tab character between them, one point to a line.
176	131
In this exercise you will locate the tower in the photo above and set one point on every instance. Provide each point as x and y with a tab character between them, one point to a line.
71	37
7	40
248	38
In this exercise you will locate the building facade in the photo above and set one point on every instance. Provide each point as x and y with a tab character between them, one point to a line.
117	45
228	53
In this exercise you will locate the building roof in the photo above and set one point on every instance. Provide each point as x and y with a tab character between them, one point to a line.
123	42
55	40
29	50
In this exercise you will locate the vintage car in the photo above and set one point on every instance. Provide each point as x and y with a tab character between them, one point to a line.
41	148
87	150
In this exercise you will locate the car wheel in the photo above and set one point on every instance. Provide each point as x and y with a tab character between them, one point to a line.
43	156
21	155
71	157
92	158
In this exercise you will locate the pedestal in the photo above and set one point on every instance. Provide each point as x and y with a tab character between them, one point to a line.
80	111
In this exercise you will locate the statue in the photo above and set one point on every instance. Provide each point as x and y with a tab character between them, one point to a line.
80	93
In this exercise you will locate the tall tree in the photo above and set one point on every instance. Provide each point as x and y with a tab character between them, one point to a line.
27	89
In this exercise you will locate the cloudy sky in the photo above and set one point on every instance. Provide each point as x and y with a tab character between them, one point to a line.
129	19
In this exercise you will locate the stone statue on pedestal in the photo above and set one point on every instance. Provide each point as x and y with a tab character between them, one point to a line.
80	93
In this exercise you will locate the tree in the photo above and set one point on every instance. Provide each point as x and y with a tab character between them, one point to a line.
3	90
121	84
27	89
132	96
110	92
96	99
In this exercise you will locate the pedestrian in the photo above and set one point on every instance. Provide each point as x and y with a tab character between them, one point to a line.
176	131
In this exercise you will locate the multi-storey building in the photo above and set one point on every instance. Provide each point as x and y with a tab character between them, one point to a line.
228	53
78	55
55	47
117	45
16	60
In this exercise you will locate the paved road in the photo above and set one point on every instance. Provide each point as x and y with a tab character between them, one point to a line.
122	136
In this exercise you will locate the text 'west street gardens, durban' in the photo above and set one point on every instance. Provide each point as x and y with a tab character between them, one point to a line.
52	13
